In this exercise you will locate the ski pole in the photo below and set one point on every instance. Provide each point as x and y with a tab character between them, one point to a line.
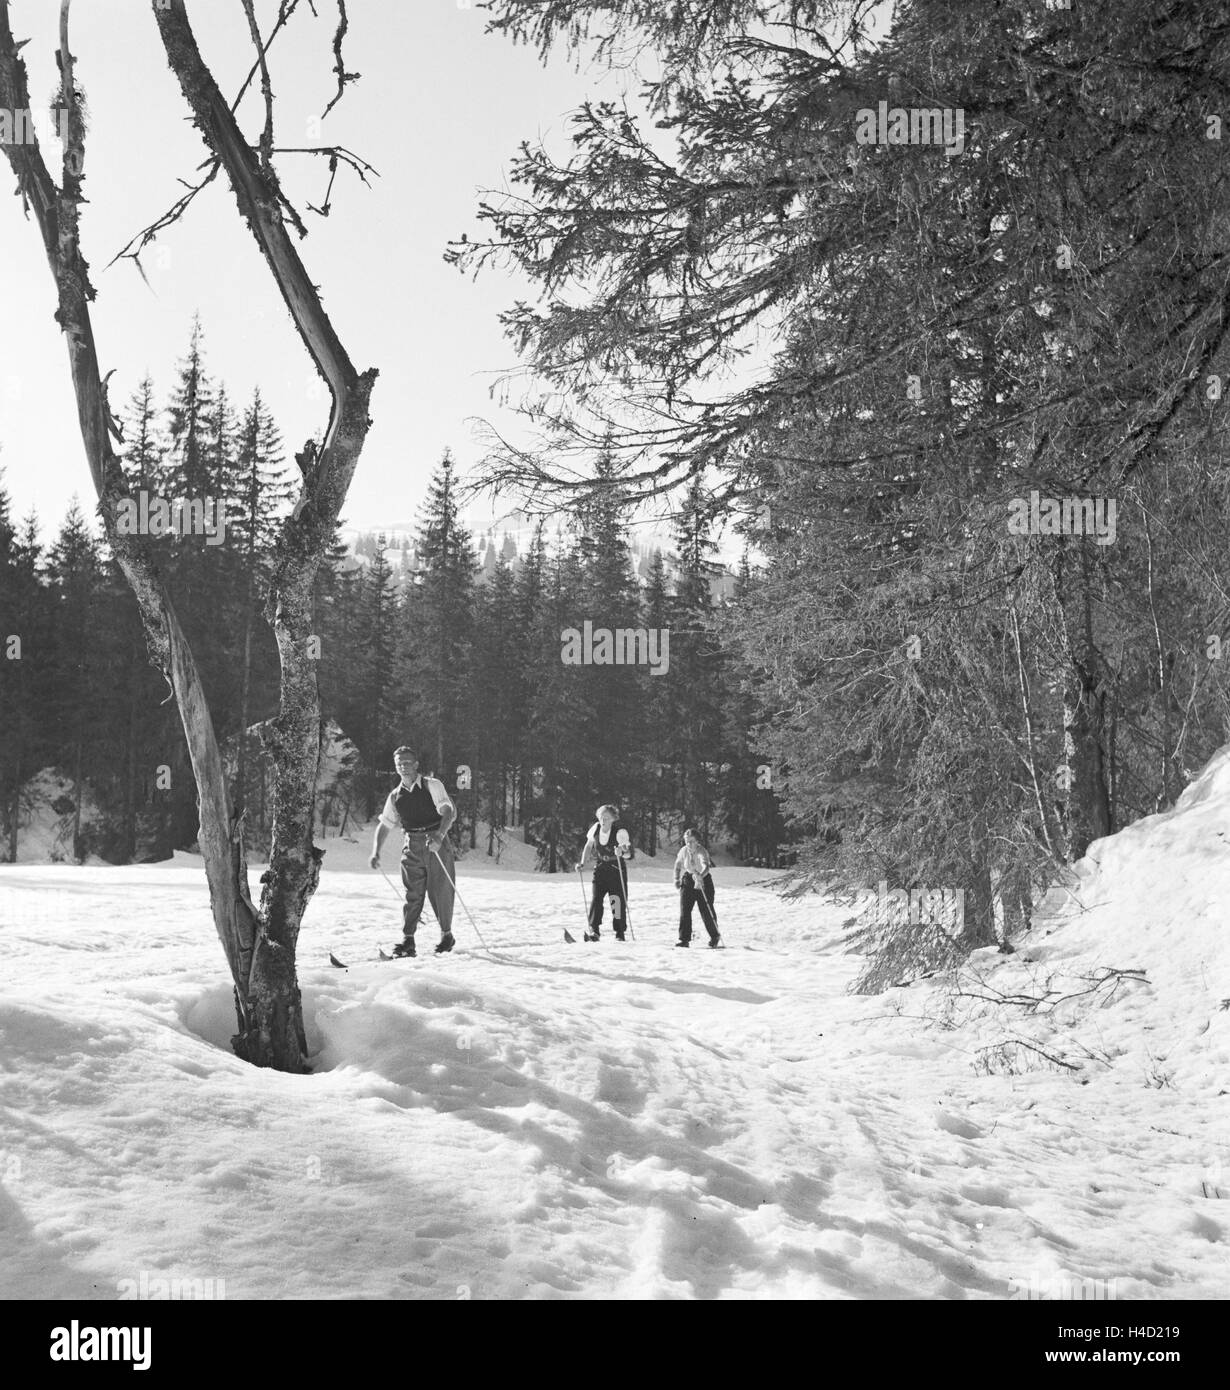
707	914
457	895
584	904
389	881
623	874
395	890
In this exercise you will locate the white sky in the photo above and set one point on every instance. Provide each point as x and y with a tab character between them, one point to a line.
440	111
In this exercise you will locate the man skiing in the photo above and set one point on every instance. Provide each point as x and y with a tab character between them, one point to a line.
421	807
694	879
612	846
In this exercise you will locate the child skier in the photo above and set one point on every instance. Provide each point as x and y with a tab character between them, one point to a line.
612	846
695	883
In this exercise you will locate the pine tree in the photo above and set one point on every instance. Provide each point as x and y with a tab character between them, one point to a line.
75	574
145	448
607	596
219	468
751	808
561	720
188	422
27	689
376	694
440	621
657	729
18	593
198	575
258	492
337	620
497	702
696	678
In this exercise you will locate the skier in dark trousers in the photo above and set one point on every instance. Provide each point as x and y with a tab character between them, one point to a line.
694	879
612	845
421	807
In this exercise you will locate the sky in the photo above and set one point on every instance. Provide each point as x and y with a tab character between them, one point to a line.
439	111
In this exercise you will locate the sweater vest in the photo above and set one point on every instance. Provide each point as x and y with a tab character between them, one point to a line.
606	853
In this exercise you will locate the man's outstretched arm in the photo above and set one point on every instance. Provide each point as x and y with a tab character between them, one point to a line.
381	831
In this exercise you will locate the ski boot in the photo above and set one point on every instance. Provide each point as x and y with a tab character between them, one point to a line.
405	948
446	944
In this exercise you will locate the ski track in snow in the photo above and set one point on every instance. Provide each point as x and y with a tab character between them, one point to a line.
586	1121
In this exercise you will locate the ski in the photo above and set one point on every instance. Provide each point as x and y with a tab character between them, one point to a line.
384	955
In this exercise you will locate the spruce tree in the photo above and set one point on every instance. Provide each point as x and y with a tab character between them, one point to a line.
189	422
377	697
20	632
696	680
497	684
607	596
74	572
439	631
258	494
657	725
145	449
536	653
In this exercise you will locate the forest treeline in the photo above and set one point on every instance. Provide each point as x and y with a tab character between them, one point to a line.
470	672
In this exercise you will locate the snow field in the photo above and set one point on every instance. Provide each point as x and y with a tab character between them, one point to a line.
617	1121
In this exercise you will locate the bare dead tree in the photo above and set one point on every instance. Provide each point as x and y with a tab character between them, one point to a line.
260	945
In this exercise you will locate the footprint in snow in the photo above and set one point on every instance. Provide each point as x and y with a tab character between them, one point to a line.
954	1124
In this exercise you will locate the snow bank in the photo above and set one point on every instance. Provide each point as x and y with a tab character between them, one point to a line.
1153	899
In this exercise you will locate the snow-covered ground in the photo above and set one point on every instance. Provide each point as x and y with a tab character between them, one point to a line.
621	1121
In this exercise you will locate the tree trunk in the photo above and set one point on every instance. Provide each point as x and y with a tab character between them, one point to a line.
979	922
16	808
128	828
1091	818
77	793
1091	796
260	948
979	919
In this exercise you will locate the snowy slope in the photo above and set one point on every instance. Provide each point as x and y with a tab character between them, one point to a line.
45	823
552	1121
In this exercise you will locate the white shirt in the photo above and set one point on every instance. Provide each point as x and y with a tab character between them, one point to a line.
597	836
389	817
696	862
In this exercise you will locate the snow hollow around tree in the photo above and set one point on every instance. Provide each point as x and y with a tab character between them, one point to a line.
607	1121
